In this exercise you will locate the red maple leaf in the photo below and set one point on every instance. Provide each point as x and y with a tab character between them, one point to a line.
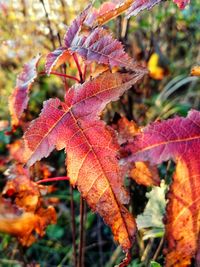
176	139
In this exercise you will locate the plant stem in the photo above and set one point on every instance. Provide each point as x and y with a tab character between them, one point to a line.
81	233
63	69
85	72
99	241
61	75
158	249
53	179
73	224
78	67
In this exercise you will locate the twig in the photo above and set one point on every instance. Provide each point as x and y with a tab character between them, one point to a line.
49	24
99	241
81	233
158	249
73	224
53	179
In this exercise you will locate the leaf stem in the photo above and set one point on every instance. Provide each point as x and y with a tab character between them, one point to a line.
84	72
78	67
53	179
61	75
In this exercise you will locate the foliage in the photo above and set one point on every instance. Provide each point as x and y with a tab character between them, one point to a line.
95	70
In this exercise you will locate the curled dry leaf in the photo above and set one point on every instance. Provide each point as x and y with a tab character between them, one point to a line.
144	173
27	215
177	139
91	147
18	101
25	224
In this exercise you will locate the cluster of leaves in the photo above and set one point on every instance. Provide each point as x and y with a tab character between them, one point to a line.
92	147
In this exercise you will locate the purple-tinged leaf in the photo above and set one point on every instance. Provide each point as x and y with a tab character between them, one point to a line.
19	99
101	47
56	58
140	5
75	27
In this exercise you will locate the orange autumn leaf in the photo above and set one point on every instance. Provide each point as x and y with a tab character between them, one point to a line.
142	172
176	139
145	174
24	225
56	58
195	71
27	214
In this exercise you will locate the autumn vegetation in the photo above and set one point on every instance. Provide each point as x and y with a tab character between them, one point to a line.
100	146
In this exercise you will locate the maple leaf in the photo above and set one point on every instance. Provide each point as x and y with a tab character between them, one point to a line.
91	147
101	47
19	99
94	45
176	139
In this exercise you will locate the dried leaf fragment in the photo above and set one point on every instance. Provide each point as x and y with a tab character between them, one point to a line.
25	215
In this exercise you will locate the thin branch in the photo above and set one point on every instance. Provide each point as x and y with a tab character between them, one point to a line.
81	232
73	225
99	241
49	24
53	179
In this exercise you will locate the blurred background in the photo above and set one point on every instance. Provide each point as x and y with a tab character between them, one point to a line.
167	41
